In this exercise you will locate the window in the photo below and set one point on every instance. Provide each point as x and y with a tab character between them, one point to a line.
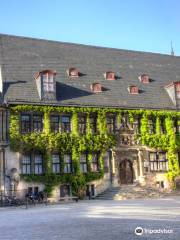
25	123
82	124
162	122
93	124
65	190
151	125
55	163
144	78
133	89
26	164
83	163
158	161
136	125
65	124
67	163
31	121
38	164
110	120
178	90
37	123
54	124
30	190
96	87
48	82
109	75
73	72
95	162
32	163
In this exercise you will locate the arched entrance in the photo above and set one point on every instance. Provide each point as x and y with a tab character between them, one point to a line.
126	172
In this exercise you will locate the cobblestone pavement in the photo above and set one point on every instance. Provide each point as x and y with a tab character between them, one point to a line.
95	220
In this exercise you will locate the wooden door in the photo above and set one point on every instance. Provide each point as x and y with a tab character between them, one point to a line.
126	172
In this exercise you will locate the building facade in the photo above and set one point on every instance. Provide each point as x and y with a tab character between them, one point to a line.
76	119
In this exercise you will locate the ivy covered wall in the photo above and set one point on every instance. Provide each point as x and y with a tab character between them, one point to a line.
48	142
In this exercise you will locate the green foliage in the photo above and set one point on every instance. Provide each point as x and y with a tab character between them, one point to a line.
48	142
158	126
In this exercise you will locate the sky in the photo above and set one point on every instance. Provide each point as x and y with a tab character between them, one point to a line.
143	25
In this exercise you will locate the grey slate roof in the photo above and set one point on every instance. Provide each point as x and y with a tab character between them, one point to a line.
21	58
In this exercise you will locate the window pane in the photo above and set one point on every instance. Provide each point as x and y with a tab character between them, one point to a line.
110	124
25	123
162	156
26	164
54	123
95	165
67	163
82	124
56	168
50	87
65	119
152	156
93	123
25	117
83	158
67	158
37	123
55	158
50	78
65	124
83	163
38	159
45	87
44	76
56	163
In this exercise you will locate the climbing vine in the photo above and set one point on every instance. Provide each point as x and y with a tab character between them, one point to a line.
48	142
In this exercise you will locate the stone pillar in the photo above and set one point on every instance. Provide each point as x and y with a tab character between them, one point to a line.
141	170
135	167
114	181
113	163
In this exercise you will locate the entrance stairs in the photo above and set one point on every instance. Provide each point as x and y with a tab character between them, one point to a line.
131	192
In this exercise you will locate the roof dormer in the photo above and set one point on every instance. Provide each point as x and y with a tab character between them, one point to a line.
110	75
177	89
96	87
46	84
173	90
144	78
73	72
133	90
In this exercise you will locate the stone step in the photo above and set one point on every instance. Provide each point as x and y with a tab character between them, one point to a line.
129	192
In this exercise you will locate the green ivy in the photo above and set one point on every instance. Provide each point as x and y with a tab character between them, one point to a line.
74	143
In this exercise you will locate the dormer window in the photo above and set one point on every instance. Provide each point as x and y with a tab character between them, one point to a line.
48	82
144	78
133	90
96	87
173	90
177	86
46	85
73	72
109	75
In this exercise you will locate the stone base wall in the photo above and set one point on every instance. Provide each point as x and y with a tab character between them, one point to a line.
102	184
157	180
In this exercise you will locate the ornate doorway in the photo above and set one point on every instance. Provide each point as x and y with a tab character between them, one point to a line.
126	172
